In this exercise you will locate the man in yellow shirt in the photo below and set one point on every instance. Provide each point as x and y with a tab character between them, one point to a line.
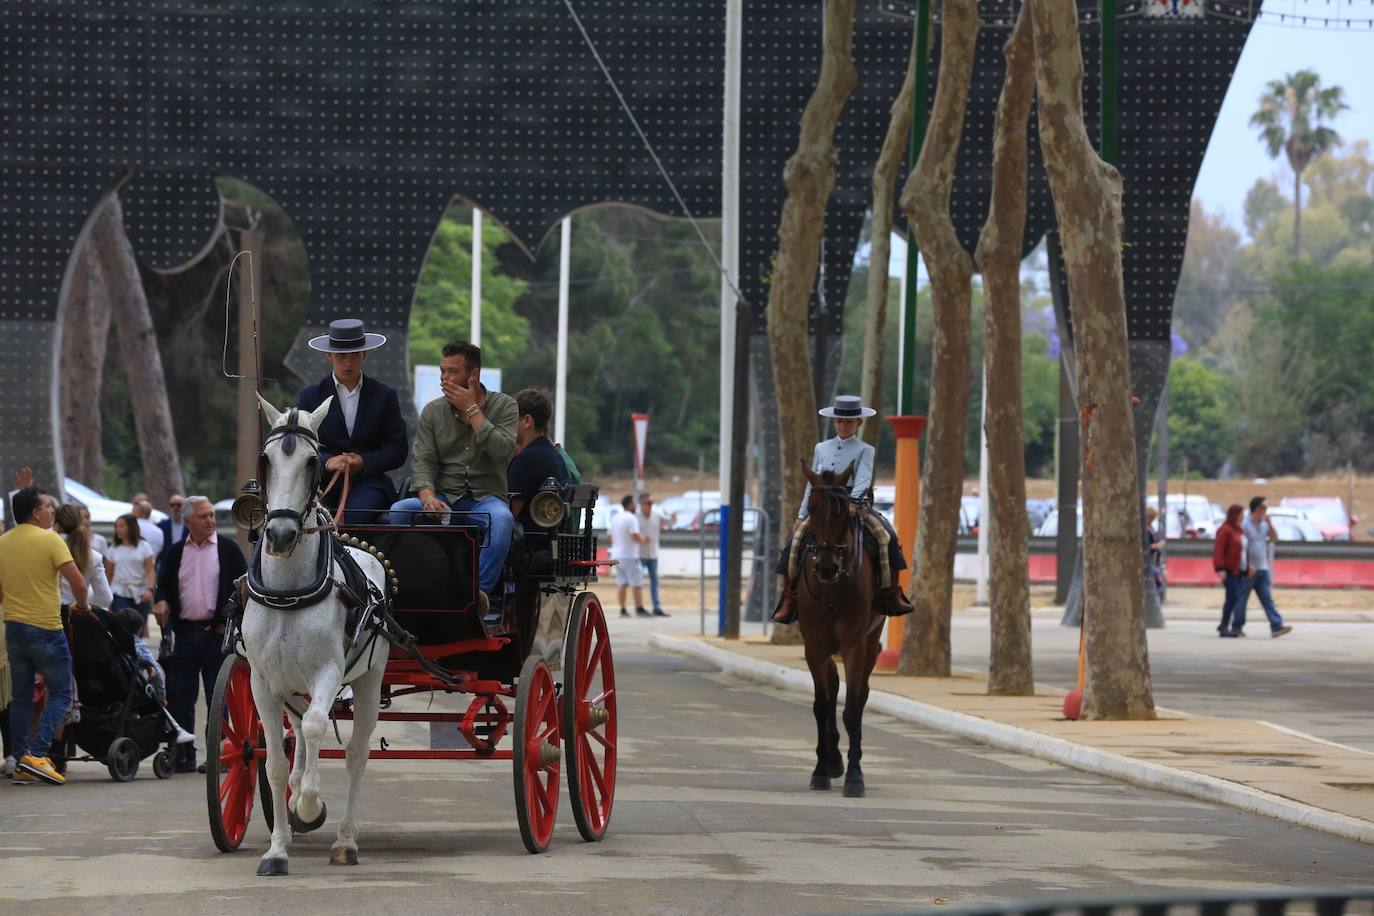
32	556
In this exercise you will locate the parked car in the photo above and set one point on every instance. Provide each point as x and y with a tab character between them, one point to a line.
1200	515
679	510
1049	528
1328	512
711	521
1037	510
969	507
104	510
1296	521
885	502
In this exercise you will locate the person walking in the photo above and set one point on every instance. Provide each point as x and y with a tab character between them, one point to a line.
142	509
32	559
626	539
651	525
1259	536
135	575
1228	559
172	527
192	592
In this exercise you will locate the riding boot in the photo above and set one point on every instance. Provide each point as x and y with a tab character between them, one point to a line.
786	611
895	603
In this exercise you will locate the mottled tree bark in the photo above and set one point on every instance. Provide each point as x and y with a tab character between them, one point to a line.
138	351
810	178
925	200
999	258
1087	203
880	236
85	337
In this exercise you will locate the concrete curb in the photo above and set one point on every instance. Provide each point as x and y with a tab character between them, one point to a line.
1023	741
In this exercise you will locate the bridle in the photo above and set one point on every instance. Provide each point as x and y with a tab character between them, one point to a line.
288	434
837	499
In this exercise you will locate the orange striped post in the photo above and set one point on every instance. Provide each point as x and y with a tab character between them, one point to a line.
906	510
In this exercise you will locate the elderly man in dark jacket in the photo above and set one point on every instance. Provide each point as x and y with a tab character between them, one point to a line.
193	588
364	430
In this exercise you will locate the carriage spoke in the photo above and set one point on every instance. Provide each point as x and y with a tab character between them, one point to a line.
541	795
601	698
595	769
605	742
593	661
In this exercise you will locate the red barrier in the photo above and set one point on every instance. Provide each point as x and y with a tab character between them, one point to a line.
1287	573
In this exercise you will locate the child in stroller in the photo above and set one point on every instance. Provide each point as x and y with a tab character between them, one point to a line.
157	679
123	716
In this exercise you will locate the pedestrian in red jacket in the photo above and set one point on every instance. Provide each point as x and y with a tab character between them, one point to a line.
1228	559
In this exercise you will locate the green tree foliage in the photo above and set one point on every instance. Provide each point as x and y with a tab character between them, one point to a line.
1202	425
1289	119
442	309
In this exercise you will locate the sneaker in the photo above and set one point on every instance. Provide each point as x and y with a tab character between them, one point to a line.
184	737
19	777
624	613
42	768
641	612
7	768
1279	631
659	612
1229	634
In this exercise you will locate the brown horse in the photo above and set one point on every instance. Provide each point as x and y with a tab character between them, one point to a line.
834	609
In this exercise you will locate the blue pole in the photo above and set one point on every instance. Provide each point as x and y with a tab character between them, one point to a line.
724	555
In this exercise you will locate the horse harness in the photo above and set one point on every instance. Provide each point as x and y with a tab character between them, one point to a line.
854	531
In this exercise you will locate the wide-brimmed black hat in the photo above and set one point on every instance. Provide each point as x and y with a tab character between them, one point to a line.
847	407
346	335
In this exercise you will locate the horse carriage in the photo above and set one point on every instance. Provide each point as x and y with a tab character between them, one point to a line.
403	603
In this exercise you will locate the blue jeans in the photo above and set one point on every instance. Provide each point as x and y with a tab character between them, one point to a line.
1235	588
651	567
33	650
1258	583
490	513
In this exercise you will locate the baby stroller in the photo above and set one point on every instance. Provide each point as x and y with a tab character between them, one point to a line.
121	720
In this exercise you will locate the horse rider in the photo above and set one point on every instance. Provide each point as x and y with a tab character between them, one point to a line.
462	446
364	431
837	454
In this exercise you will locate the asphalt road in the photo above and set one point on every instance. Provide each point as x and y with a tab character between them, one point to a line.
1317	679
712	815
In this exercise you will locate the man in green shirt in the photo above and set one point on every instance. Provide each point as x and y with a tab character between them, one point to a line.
463	444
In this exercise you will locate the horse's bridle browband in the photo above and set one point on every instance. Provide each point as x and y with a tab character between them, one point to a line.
287	433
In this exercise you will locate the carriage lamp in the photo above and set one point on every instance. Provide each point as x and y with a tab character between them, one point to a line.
248	510
546	506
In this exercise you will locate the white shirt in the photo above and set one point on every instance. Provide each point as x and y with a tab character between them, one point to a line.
98	542
97	586
836	454
651	526
152	534
348	401
131	576
623	529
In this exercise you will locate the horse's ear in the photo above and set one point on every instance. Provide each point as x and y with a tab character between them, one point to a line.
272	414
317	415
845	477
811	475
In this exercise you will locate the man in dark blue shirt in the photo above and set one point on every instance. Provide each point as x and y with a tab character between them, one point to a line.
536	459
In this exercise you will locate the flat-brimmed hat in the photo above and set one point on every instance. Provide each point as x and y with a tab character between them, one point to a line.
346	335
847	407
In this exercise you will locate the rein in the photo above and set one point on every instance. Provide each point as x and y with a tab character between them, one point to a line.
837	499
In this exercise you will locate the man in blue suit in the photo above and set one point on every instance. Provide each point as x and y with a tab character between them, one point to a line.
364	430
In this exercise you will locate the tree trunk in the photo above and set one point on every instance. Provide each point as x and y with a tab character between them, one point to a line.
880	236
999	258
1087	203
85	337
138	351
810	178
1297	214
925	200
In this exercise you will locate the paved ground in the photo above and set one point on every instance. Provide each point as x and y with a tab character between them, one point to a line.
1318	679
712	815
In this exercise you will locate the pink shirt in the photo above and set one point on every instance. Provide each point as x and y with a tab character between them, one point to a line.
199	578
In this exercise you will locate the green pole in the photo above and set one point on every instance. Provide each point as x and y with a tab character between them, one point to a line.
906	395
1107	103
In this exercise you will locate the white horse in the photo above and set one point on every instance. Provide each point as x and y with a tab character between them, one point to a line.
302	651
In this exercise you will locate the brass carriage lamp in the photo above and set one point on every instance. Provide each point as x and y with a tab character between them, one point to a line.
249	511
547	507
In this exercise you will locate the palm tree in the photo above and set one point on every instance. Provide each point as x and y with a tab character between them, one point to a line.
1289	118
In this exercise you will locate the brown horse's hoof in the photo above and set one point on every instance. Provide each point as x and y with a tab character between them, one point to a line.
343	856
836	768
820	781
853	790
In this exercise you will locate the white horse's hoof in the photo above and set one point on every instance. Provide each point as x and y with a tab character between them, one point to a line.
301	826
343	856
272	867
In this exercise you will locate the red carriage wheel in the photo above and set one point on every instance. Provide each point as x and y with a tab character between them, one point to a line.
231	745
536	754
589	722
